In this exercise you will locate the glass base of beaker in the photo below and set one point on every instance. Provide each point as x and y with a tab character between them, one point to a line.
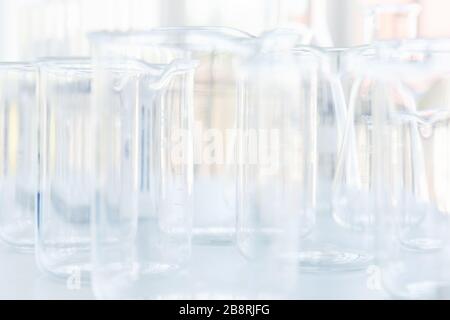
213	236
422	244
72	265
412	274
17	237
73	273
423	290
330	261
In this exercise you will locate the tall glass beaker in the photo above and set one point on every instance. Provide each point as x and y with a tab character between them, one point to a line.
410	103
18	151
144	169
66	166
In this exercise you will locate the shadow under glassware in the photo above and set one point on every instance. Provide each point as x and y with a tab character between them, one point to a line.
18	152
65	168
410	90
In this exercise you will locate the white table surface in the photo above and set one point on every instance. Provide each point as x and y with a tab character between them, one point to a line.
21	279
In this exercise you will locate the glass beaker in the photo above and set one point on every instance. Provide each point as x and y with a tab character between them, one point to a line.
295	90
382	22
143	207
411	118
214	118
276	153
18	150
332	108
332	245
65	167
351	192
216	49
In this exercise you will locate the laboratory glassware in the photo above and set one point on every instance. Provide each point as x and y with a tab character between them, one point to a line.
288	209
410	90
219	50
277	123
352	191
351	194
214	109
65	167
353	177
18	149
216	49
142	224
332	245
332	107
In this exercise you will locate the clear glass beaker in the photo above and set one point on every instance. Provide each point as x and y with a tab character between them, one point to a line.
216	49
65	167
331	244
411	117
332	108
350	155
144	186
289	210
382	22
352	190
276	153
18	150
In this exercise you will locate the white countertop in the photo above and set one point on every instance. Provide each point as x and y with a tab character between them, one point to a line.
21	279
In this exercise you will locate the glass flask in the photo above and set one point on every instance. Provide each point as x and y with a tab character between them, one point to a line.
18	150
410	115
65	167
144	169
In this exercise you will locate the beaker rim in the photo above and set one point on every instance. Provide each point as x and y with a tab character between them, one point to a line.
162	34
79	64
85	65
401	57
18	66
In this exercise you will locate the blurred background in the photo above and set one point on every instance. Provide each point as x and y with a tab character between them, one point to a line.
33	28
